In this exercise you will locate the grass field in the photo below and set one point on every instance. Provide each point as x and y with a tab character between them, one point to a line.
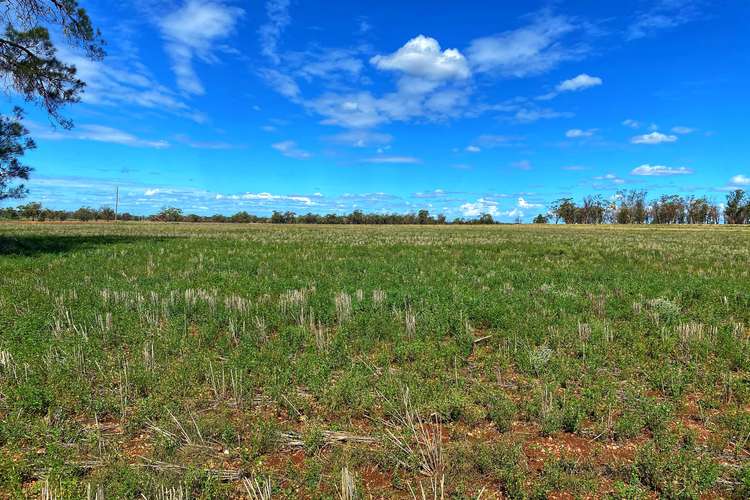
173	361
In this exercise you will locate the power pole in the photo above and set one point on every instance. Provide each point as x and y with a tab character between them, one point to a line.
117	201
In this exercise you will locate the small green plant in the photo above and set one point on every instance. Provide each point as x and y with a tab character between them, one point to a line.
502	411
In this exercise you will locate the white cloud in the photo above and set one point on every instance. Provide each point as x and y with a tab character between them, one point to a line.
660	170
473	149
522	165
490	141
480	207
152	192
392	159
422	57
522	203
580	82
278	19
96	133
361	138
577	133
513	213
325	63
631	123
121	79
273	197
290	149
530	115
610	178
574	168
281	83
663	14
529	50
683	130
653	138
741	180
192	31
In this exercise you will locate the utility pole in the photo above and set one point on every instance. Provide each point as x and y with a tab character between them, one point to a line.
117	201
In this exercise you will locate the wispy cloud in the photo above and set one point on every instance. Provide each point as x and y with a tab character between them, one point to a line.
277	12
361	138
96	133
682	130
393	159
122	80
291	150
193	32
522	203
522	165
532	49
199	144
577	133
490	141
660	170
531	115
663	15
606	181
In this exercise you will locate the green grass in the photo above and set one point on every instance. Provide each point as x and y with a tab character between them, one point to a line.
596	361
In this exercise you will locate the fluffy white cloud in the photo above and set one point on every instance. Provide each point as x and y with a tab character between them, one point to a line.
580	82
653	138
741	180
577	133
473	149
192	31
290	149
529	50
660	170
631	123
480	207
422	57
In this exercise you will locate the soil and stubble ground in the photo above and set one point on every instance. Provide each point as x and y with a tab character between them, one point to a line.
196	360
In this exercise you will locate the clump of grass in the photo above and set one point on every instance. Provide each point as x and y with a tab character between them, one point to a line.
343	303
420	442
502	411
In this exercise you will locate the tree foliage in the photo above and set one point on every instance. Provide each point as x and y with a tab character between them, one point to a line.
30	69
14	142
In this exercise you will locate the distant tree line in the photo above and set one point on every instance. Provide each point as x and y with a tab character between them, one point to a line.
36	212
632	207
626	207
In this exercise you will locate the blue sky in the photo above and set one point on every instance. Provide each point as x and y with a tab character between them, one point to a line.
497	107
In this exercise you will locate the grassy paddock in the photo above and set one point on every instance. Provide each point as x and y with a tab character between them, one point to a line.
518	361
